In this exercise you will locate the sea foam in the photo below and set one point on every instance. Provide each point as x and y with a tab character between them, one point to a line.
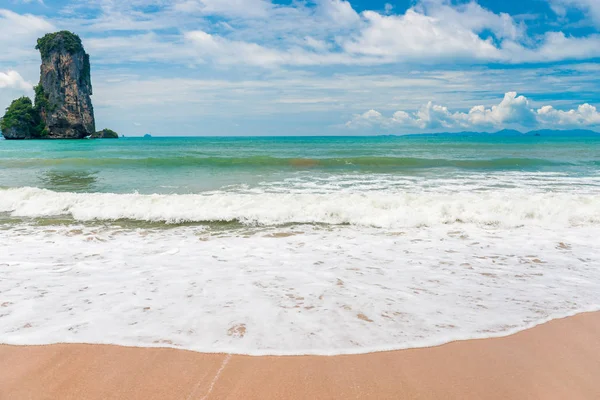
300	289
385	209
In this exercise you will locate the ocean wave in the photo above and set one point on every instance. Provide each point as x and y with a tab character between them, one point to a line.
300	163
385	209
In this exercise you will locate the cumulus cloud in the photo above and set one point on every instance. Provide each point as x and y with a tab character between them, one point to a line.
437	30
512	111
429	32
338	11
584	115
14	80
416	35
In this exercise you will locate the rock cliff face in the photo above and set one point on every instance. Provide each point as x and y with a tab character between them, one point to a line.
63	94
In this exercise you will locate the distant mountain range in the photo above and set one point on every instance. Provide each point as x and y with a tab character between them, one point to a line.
513	132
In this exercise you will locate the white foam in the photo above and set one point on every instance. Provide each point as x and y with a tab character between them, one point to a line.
328	290
388	209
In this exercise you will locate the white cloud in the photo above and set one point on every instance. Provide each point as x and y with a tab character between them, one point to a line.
555	46
18	34
227	51
512	111
32	1
473	17
145	47
584	115
13	24
316	44
319	32
431	31
338	11
436	30
14	80
369	118
590	7
235	8
415	35
447	33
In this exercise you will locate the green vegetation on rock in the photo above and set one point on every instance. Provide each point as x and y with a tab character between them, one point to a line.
23	118
41	100
19	111
59	40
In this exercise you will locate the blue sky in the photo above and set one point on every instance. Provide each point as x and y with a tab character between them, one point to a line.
334	67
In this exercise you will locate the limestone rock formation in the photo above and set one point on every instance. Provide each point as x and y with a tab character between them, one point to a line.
63	106
63	94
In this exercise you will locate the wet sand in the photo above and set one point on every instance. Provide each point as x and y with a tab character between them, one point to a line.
557	360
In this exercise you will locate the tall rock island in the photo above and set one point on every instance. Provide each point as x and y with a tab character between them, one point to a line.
63	105
63	94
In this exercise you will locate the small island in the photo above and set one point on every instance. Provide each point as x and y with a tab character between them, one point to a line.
105	134
62	107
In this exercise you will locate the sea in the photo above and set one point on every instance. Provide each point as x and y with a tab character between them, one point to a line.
296	245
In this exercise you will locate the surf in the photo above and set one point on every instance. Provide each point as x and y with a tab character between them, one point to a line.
383	209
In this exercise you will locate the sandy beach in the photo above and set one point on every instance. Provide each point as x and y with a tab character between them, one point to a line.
556	360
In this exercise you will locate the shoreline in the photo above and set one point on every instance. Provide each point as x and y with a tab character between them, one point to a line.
415	345
554	360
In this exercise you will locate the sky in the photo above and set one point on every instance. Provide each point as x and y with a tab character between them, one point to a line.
320	67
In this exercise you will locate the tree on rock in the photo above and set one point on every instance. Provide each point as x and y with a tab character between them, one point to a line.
22	121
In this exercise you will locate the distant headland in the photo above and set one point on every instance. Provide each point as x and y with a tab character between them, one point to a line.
62	107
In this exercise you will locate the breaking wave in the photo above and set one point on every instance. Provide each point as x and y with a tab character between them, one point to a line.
385	209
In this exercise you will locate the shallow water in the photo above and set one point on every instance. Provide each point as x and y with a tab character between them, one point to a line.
295	245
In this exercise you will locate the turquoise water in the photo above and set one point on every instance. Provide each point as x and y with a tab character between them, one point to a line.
196	165
312	245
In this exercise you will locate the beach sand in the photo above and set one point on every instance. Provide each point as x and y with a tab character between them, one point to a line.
556	360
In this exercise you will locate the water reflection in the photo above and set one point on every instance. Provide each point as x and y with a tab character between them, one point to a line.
70	181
